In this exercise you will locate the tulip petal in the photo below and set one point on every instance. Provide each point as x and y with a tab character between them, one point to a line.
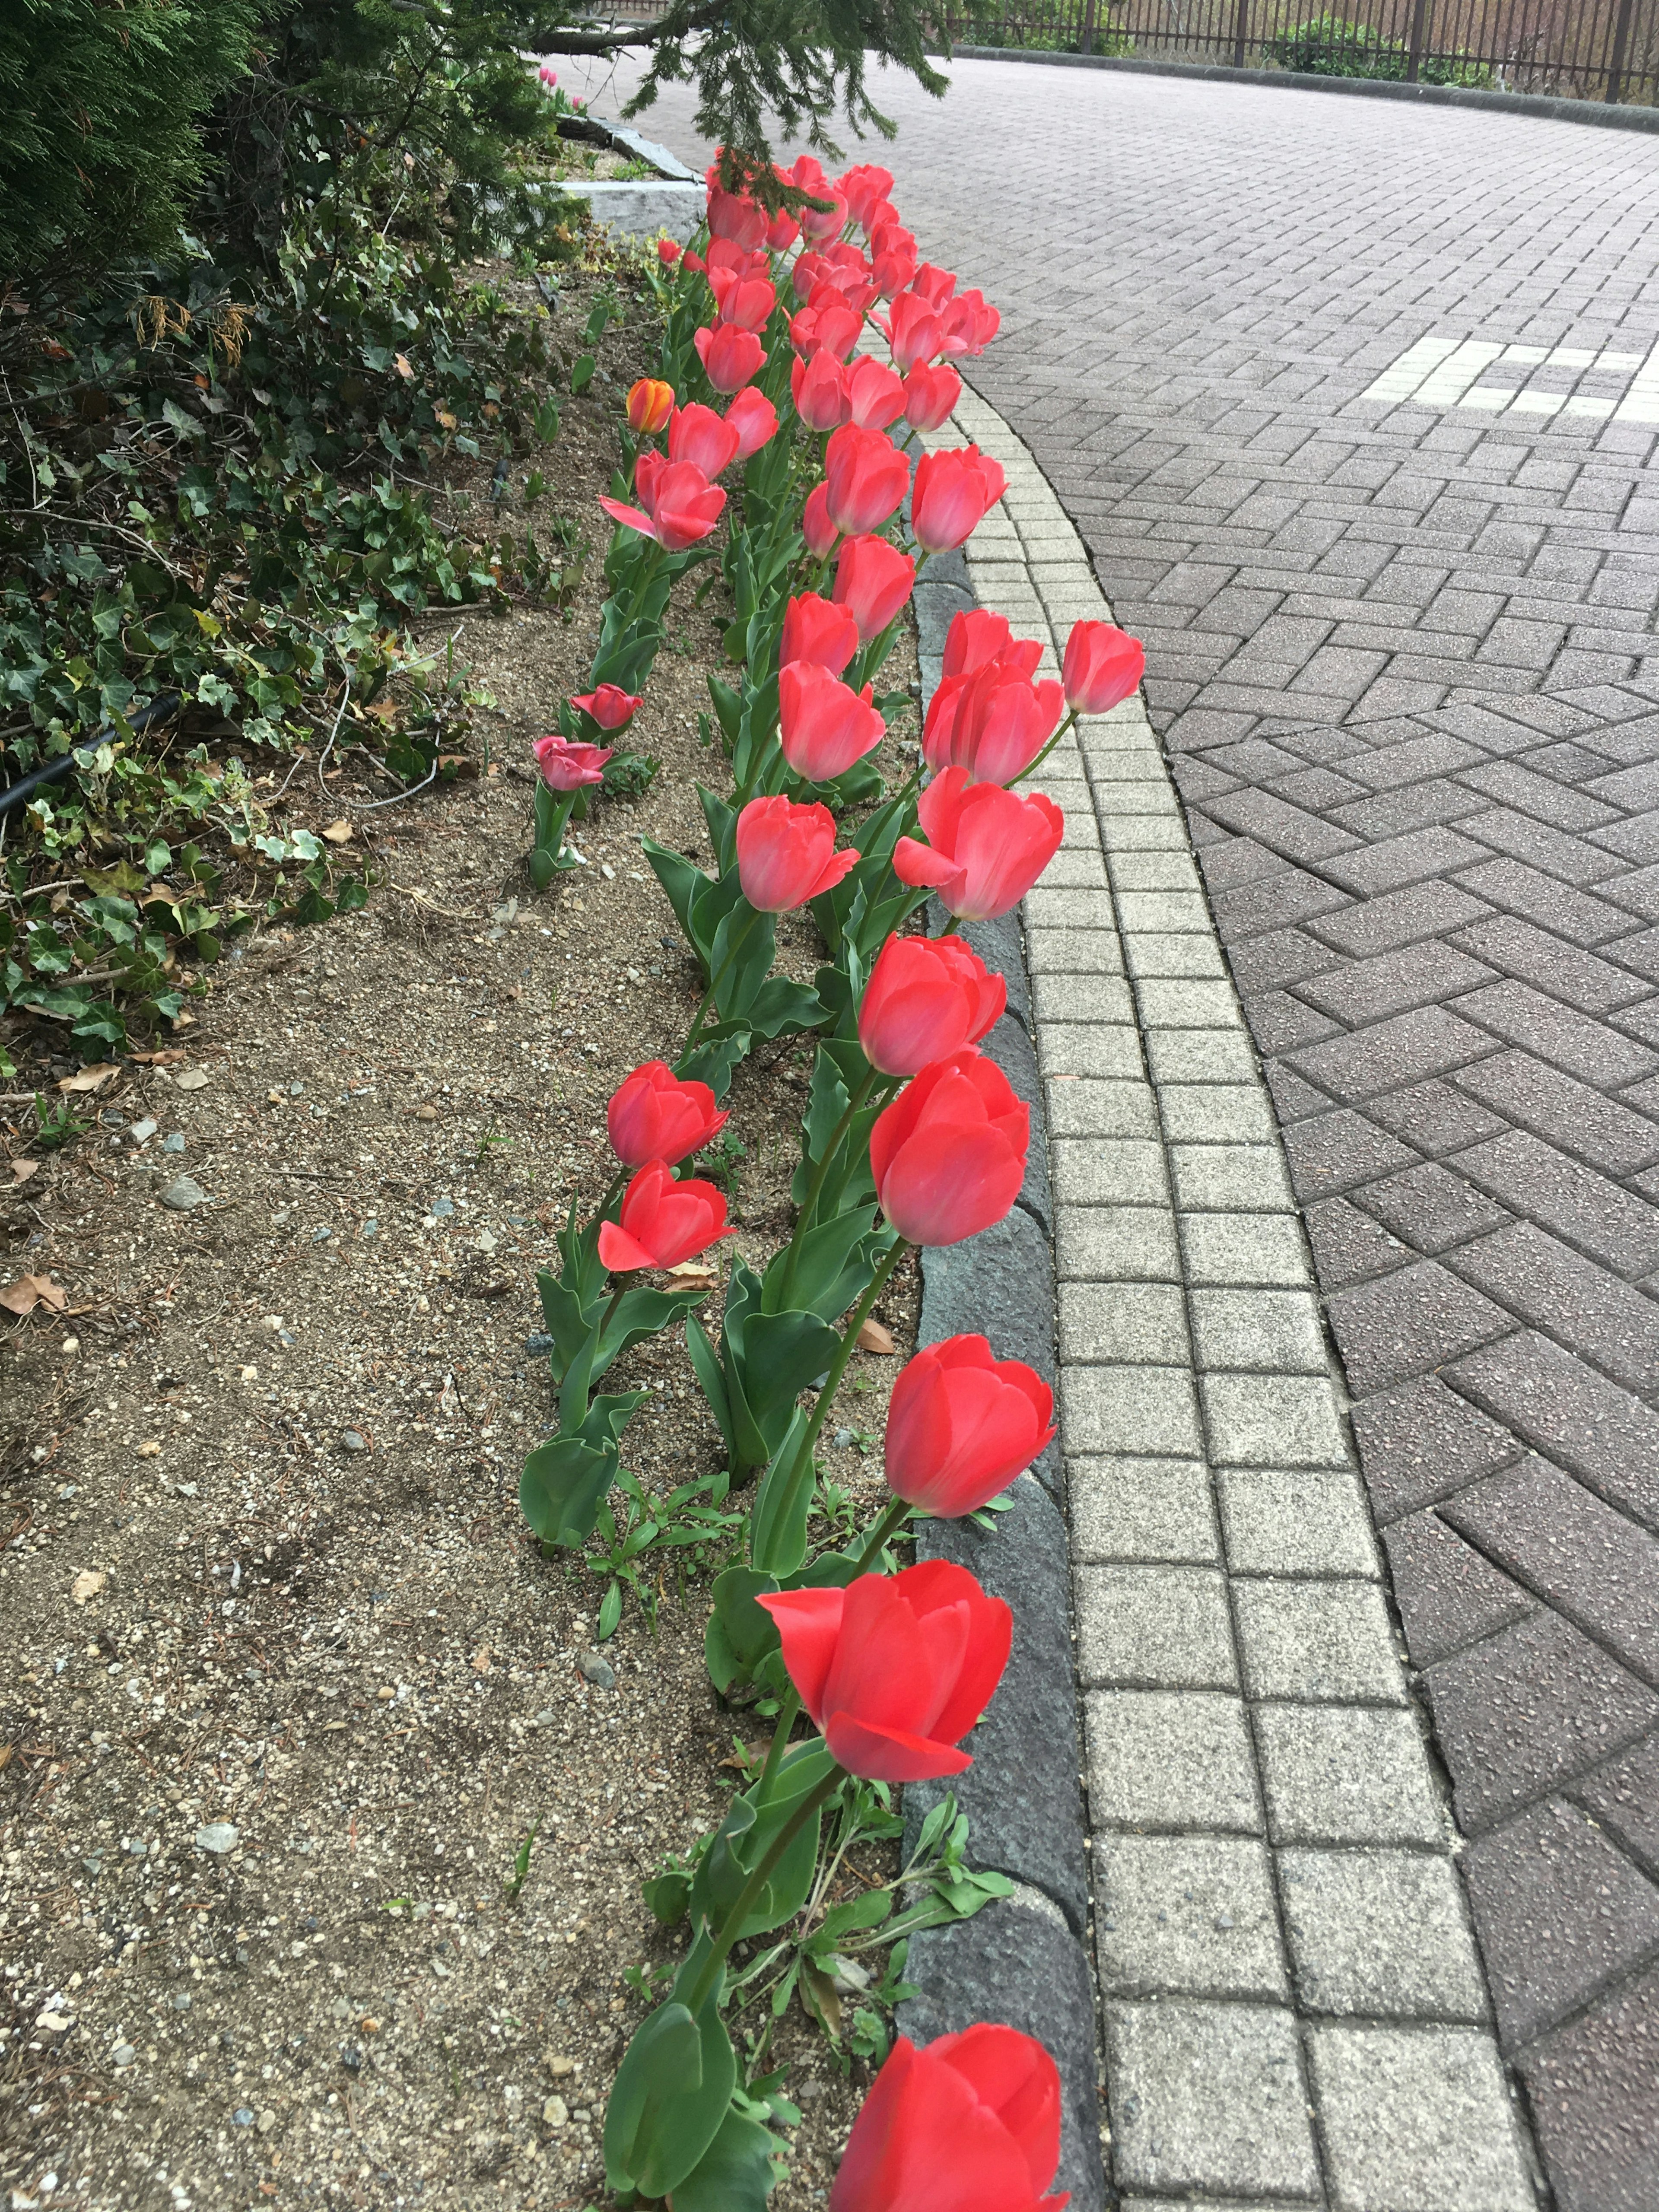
809	1623
619	1252
985	1179
632	517
885	1755
918	866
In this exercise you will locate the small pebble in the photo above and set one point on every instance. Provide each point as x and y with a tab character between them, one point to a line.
555	2112
243	2116
175	1142
123	2054
142	1131
219	1836
597	1670
182	1193
354	1440
193	1078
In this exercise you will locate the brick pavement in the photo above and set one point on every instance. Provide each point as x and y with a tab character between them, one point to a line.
1402	656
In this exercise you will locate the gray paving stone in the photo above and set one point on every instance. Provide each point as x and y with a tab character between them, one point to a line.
1106	1055
1345	1774
1275	1332
1071	951
1295	1521
1317	1642
1186	1916
1380	1934
1216	1113
1215	1055
1244	1249
1416	2120
1116	1243
1178	1759
1084	1106
1164	955
1118	1171
1270	1420
1210	2097
1230	1178
1107	1322
1142	1509
1154	1628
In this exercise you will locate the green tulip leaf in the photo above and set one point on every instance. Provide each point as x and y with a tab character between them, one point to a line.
670	2096
736	2173
563	1484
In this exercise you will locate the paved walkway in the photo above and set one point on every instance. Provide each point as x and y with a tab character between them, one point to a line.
1351	405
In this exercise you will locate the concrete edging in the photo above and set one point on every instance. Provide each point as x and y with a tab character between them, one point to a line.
1599	114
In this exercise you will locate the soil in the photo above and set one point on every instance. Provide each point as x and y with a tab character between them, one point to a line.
293	1685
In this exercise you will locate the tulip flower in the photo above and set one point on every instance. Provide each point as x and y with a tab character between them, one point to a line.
970	324
895	1669
863	188
694	261
819	531
874	579
955	491
663	1222
927	997
786	854
948	1155
650	404
934	286
819	389
550	77
977	636
809	272
734	215
993	722
725	259
829	325
754	418
698	435
652	1116
782	230
914	333
565	764
865	477
1103	666
892	272
970	2121
825	725
962	1425
609	706
931	395
805	173
875	395
668	252
683	506
986	846
730	356
820	224
746	304
816	629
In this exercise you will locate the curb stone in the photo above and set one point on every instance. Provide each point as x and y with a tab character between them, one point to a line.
1023	1960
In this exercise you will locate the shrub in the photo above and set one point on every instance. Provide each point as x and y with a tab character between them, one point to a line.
1331	46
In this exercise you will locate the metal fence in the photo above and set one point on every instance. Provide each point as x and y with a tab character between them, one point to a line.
1579	49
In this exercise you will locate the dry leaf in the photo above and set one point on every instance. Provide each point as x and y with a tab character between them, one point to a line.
181	1020
402	367
872	1337
22	1170
31	1291
167	1059
481	1660
693	1275
89	1079
87	1584
444	418
338	833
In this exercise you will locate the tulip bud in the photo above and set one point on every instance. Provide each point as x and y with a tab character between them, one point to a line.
961	1425
668	252
1103	666
786	854
566	765
819	531
875	396
816	629
874	579
609	705
948	1156
653	1115
819	390
955	491
927	997
824	725
931	395
865	477
650	404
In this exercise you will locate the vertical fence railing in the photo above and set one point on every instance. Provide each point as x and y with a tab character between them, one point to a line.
1586	49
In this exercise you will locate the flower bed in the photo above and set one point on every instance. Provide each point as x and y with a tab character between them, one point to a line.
911	1139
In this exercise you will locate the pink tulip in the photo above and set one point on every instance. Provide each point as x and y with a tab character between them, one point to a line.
734	216
819	388
828	325
875	395
993	722
726	259
969	324
934	285
820	224
977	636
986	847
931	395
927	997
698	435
914	333
866	477
782	232
819	531
825	725
1103	666
567	765
815	629
892	271
863	188
684	507
873	580
955	491
754	418
730	356
609	706
747	304
786	854
809	272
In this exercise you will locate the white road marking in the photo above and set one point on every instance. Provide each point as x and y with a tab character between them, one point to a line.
1443	373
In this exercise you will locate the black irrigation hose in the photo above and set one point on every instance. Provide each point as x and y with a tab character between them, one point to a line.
54	771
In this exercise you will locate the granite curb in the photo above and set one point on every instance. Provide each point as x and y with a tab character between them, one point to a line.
1023	1960
1600	114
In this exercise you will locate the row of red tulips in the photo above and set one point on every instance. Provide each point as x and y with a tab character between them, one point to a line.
913	1138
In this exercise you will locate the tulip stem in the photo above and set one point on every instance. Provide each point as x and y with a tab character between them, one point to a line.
709	1973
735	946
803	1220
1032	767
788	1713
892	1520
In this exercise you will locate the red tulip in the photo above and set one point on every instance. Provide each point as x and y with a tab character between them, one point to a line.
949	1154
650	404
805	173
609	706
726	259
862	188
810	270
815	630
955	491
698	435
668	252
652	1116
682	506
977	636
819	531
993	722
1103	665
931	395
825	725
734	215
820	224
893	271
820	391
730	356
874	579
786	854
969	2123
895	1669
782	232
969	324
961	1425
934	285
830	325
874	394
745	302
754	418
565	764
927	997
866	477
913	331
986	846
663	1222
694	261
